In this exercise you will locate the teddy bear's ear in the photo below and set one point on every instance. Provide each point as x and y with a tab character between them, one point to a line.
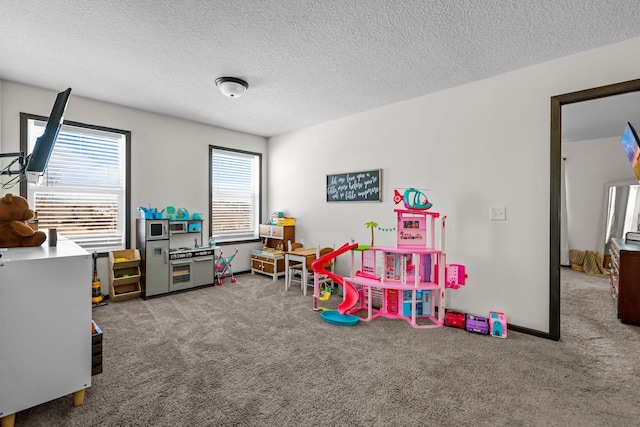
8	198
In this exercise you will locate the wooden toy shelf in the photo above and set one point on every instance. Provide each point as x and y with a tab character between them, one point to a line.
124	275
271	260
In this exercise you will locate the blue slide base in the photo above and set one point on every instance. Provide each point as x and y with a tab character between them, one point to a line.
334	317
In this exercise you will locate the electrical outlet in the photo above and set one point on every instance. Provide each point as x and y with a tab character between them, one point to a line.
498	214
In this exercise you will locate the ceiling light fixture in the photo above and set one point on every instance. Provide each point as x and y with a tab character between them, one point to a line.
231	86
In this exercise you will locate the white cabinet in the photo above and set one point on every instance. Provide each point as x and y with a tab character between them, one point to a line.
45	325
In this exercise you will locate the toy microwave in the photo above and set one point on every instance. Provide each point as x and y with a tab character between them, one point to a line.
176	227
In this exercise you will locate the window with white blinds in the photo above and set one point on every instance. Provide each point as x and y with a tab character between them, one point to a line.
83	191
235	194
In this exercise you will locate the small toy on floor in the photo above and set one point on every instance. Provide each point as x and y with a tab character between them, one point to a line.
477	324
497	324
454	318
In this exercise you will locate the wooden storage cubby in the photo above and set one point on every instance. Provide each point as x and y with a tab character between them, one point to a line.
124	275
275	235
271	260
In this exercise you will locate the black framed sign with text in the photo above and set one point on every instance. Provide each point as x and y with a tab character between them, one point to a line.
365	186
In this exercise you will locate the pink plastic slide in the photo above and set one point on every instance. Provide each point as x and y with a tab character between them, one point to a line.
351	293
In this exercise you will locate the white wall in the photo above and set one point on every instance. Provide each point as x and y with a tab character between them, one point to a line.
169	156
589	166
476	146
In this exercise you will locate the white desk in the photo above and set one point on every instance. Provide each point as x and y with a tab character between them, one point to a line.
304	256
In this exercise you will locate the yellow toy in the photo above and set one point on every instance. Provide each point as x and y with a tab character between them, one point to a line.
325	292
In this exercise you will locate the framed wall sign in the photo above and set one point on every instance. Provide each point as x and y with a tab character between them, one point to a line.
365	186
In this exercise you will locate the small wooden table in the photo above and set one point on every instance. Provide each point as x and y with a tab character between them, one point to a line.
304	256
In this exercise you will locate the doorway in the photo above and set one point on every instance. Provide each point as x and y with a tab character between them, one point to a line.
555	186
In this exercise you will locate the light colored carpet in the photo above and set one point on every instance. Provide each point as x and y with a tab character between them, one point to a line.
251	354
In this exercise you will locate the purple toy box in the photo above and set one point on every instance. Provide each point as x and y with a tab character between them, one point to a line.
477	324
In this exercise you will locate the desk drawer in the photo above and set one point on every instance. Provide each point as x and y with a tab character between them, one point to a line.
266	259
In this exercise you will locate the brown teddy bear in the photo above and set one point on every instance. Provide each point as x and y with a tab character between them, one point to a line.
14	230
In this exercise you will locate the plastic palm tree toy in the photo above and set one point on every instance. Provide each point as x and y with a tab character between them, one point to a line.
372	225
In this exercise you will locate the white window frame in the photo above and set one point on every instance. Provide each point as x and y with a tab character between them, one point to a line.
92	236
224	187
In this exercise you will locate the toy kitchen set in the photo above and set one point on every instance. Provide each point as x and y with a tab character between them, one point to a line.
173	256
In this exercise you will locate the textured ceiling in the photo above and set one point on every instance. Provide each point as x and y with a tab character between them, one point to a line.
306	61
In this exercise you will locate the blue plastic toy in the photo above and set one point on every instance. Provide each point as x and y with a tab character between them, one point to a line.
334	317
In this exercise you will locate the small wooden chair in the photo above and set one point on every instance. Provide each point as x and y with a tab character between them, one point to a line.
294	268
295	245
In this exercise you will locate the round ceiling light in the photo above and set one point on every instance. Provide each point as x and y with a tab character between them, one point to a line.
231	86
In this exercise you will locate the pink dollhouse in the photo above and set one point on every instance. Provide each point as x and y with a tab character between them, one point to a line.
407	281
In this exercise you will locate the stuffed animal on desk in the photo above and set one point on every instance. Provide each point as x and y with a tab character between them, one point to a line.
14	230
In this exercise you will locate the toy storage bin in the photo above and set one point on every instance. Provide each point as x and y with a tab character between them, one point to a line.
150	215
286	221
131	258
124	274
126	291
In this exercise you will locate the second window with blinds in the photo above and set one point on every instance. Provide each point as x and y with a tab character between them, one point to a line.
234	194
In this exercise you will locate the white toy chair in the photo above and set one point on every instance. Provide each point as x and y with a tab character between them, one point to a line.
294	269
